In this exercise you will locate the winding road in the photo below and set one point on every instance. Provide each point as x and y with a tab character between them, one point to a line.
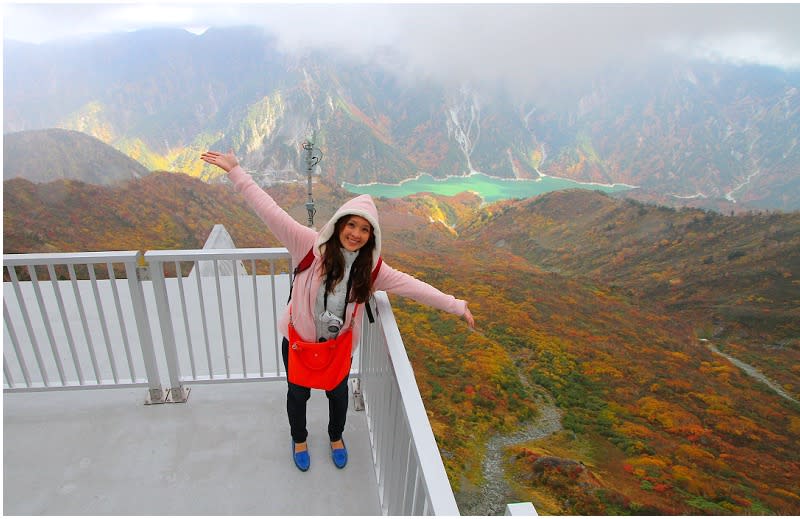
752	372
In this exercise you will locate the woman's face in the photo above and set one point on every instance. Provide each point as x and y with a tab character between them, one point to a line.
355	233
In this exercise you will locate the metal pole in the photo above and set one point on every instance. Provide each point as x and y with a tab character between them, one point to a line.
156	394
311	160
177	392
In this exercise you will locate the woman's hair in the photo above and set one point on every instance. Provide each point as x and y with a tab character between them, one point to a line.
360	272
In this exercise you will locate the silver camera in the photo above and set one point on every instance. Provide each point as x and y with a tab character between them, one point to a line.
331	325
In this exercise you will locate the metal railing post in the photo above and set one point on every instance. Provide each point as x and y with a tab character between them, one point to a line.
155	392
177	392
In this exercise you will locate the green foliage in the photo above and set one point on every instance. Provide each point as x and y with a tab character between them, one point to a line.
707	506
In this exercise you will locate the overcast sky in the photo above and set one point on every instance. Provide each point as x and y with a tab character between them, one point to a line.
515	42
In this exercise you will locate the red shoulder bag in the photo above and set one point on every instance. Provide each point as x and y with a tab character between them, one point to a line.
320	365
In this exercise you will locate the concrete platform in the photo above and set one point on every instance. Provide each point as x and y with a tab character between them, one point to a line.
225	452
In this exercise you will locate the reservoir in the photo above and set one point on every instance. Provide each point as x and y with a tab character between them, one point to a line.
490	189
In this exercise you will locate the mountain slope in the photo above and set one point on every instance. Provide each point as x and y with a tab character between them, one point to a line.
661	423
734	280
160	211
682	131
644	404
45	155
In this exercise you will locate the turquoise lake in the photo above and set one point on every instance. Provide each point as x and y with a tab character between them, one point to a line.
491	189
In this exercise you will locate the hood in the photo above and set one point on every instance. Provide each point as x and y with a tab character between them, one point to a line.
362	206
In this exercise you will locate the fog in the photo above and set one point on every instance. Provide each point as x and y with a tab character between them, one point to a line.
519	45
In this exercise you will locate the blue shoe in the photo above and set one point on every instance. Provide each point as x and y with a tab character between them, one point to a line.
301	459
339	456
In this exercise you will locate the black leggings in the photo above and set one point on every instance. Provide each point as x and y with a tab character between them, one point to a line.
297	397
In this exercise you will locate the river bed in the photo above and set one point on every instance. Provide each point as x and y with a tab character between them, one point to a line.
495	492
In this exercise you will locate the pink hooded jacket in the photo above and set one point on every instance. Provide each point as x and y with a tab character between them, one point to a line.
298	239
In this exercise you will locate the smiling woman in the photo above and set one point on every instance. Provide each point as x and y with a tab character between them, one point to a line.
328	296
354	232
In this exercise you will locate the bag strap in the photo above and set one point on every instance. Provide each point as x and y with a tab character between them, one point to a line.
306	262
374	277
377	268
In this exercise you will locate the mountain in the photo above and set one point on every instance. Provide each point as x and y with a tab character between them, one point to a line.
605	309
159	211
733	278
45	155
684	132
681	258
588	307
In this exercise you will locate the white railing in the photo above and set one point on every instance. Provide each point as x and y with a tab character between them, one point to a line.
220	327
409	469
205	329
159	325
50	323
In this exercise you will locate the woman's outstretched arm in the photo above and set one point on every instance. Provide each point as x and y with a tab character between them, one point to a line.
226	161
406	285
468	316
297	238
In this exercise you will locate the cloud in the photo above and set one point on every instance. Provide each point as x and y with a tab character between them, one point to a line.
519	44
527	46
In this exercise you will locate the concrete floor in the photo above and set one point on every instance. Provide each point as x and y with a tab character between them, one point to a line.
224	452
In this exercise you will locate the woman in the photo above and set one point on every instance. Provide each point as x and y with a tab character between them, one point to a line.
345	250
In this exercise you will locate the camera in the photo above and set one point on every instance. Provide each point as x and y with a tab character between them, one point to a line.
331	324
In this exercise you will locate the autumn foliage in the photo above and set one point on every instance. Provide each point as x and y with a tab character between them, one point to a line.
594	303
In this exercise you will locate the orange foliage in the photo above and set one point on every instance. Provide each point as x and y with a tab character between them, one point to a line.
572	297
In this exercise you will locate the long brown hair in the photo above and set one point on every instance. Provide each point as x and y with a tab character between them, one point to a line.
360	272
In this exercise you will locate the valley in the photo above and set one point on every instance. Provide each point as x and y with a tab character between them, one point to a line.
496	491
587	305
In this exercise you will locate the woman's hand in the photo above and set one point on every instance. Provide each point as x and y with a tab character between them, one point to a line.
469	318
226	161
